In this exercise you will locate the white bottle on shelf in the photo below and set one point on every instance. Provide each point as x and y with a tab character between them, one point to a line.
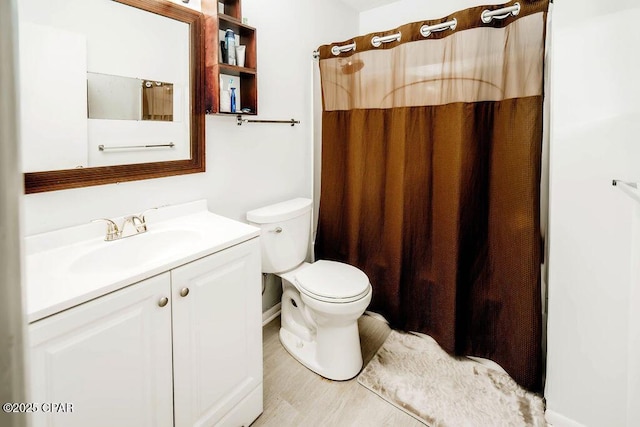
225	98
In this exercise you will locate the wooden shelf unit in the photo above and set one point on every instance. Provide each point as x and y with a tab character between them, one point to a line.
247	75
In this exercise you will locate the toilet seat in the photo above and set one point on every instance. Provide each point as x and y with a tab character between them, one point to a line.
332	281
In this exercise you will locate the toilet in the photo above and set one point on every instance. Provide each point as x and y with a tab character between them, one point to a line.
321	302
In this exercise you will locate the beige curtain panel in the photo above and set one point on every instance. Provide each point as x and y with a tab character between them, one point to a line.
431	165
480	63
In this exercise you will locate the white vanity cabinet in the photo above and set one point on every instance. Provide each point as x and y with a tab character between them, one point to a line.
183	348
109	358
217	338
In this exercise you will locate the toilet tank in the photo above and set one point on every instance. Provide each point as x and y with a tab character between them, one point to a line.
285	232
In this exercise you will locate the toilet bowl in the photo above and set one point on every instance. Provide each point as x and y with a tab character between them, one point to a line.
320	329
321	302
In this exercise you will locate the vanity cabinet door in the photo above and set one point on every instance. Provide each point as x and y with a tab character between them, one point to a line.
217	338
108	360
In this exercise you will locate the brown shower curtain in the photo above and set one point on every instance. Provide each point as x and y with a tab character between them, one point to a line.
431	163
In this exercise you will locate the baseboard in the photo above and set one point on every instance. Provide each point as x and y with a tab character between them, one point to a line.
271	314
556	420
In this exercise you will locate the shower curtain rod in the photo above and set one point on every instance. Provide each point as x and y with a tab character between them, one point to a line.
377	41
486	16
337	50
426	30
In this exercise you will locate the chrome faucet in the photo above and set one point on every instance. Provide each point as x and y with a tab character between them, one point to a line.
139	222
115	233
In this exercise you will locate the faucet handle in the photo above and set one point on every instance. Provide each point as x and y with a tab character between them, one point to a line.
141	216
143	213
138	222
113	232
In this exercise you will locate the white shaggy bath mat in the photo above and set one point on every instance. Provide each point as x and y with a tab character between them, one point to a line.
413	373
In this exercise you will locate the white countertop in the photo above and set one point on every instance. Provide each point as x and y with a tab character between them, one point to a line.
56	278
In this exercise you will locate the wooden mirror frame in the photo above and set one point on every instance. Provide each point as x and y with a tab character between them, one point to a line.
37	182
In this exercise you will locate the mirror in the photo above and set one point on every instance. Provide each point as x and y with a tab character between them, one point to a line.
154	128
124	98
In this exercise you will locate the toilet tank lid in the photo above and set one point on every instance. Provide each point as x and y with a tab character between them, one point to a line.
280	211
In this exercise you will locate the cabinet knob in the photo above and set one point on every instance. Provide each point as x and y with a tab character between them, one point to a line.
163	301
184	292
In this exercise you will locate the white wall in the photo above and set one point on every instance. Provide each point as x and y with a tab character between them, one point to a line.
249	165
593	353
633	372
12	320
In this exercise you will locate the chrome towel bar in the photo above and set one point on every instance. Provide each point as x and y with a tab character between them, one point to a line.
102	147
241	120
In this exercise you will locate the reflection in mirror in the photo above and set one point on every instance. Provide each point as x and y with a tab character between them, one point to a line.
65	43
157	101
126	98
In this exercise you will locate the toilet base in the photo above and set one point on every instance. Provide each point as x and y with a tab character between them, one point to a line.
301	350
344	366
323	336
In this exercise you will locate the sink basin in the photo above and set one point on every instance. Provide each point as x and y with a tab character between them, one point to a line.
134	251
67	267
